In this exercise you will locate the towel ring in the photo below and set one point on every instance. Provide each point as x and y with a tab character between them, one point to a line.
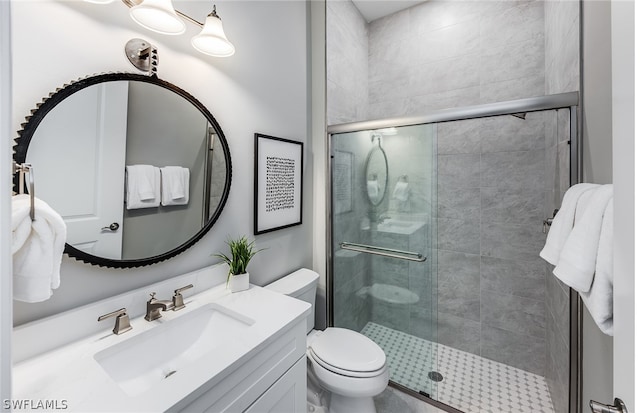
26	168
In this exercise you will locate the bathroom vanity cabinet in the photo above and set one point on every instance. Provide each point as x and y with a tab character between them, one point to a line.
275	380
224	352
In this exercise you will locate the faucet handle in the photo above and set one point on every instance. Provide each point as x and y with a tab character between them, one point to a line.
153	296
178	299
122	320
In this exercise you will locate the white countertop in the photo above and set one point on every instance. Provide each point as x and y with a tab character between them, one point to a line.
70	375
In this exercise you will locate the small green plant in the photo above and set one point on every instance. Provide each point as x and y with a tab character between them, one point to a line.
241	253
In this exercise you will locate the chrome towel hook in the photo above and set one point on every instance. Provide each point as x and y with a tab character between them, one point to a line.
26	168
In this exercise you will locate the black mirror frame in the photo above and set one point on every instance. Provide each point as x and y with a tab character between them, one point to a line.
48	103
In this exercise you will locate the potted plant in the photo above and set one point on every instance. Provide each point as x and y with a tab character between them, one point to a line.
241	253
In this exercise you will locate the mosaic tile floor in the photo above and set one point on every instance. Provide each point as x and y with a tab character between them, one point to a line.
471	383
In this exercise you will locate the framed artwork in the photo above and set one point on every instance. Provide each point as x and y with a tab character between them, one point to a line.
277	183
342	181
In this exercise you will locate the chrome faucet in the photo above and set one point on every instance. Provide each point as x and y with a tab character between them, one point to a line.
154	306
178	299
122	320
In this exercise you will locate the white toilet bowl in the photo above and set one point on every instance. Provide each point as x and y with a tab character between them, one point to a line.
348	365
345	368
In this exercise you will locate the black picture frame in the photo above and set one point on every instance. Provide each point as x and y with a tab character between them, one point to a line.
278	166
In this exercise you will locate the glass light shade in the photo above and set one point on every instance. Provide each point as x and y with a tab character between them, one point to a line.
212	40
158	16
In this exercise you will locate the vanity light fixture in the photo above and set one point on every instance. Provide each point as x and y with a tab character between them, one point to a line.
160	17
212	40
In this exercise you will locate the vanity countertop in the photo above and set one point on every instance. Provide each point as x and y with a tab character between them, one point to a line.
71	376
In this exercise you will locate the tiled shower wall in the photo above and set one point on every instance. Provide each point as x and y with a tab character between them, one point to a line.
454	53
490	204
347	63
442	54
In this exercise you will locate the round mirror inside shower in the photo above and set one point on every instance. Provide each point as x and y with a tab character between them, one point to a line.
376	173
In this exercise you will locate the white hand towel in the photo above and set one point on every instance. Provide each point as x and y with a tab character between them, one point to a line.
175	185
563	223
401	191
577	263
37	248
373	188
143	186
599	300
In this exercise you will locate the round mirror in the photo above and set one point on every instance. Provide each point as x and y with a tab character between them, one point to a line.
138	168
376	173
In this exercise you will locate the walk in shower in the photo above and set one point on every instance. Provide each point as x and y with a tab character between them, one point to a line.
435	229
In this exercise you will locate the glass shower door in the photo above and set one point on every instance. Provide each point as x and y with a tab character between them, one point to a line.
383	230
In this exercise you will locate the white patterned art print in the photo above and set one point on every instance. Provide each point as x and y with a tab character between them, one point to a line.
277	183
342	181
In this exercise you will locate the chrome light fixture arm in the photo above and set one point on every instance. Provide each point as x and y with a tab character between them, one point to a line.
211	40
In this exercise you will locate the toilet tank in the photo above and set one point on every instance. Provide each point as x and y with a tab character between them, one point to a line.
301	284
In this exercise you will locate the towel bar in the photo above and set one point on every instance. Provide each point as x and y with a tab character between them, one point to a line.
385	252
23	169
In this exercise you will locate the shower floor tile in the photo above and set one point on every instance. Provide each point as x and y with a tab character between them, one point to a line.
470	383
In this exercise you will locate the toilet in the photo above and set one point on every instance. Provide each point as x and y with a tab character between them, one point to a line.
345	369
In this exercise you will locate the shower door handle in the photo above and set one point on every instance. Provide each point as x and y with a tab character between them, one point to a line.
617	407
385	252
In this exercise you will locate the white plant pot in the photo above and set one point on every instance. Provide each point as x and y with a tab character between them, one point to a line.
239	282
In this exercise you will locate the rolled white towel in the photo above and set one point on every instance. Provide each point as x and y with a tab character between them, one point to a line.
37	248
599	299
577	263
143	186
401	191
175	185
563	223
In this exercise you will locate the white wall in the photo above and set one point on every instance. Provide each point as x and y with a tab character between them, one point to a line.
5	206
262	88
624	108
597	348
596	89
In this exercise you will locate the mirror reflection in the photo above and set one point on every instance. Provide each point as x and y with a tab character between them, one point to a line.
138	171
376	172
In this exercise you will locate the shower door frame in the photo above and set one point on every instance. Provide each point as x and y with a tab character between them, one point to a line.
569	100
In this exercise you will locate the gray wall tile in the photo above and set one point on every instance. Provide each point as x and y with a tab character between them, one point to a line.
459	284
511	241
509	133
514	170
558	303
513	313
459	235
508	277
513	206
518	350
459	203
460	171
461	333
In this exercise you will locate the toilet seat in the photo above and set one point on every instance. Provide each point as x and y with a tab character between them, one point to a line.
347	353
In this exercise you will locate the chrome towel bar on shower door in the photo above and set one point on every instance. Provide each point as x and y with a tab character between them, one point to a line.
385	252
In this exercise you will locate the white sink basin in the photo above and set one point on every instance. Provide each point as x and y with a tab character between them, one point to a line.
157	354
397	226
